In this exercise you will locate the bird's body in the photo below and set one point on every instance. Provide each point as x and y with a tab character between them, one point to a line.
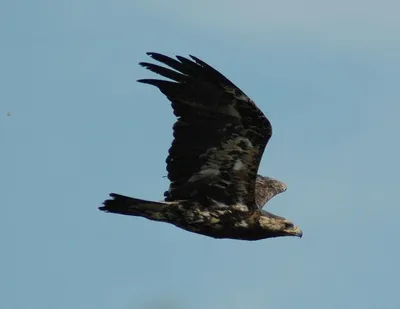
235	221
219	139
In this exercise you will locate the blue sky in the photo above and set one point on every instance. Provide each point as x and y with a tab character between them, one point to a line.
326	74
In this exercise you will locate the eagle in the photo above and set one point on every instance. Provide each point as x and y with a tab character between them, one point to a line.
219	138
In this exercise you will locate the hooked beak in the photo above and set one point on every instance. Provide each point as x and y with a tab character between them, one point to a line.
299	233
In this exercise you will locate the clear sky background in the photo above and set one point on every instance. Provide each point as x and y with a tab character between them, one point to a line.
325	73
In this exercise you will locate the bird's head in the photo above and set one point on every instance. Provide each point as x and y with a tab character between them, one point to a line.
278	226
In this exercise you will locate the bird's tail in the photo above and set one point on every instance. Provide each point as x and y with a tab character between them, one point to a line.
125	205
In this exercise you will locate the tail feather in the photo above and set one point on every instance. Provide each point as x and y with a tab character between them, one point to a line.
125	205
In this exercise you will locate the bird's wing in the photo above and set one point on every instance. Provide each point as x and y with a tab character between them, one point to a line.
219	136
266	189
262	193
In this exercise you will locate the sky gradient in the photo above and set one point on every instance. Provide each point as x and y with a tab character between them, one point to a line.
80	127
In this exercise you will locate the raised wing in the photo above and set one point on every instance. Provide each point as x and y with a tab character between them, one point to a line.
219	136
267	188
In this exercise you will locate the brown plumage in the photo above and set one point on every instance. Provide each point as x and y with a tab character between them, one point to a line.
219	139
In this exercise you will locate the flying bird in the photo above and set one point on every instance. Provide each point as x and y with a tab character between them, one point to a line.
219	139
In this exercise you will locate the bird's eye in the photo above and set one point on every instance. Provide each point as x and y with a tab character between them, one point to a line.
288	225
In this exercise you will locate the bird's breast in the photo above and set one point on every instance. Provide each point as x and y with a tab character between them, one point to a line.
217	223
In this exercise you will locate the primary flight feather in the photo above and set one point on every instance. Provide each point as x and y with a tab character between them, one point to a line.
219	139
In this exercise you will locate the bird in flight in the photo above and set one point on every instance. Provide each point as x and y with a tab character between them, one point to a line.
219	139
